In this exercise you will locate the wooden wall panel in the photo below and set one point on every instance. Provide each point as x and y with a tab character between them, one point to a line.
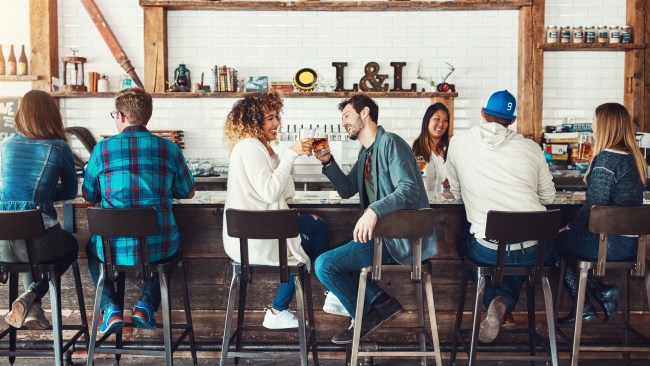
636	65
531	71
155	49
44	41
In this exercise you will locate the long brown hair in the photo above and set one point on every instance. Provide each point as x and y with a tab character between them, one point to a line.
421	146
38	117
614	131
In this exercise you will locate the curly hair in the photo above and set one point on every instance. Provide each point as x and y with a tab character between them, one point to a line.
247	116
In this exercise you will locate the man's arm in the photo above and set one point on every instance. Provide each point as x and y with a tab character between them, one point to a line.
345	185
90	190
183	186
545	185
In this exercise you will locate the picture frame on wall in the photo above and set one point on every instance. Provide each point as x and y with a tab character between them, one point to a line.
257	83
8	108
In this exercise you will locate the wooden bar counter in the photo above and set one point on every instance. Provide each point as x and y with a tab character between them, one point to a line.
200	221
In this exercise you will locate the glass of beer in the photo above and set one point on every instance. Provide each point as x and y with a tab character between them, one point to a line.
320	141
585	143
422	164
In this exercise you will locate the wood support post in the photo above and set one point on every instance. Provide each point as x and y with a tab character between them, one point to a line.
636	97
531	71
44	41
155	49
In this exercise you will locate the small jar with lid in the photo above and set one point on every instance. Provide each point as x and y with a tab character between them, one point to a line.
603	34
551	34
614	34
565	34
626	34
590	34
578	34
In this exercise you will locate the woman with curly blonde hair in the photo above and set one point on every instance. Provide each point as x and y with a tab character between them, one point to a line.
260	179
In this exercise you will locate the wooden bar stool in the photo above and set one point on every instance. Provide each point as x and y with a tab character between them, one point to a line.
416	224
605	220
511	227
138	223
28	225
280	225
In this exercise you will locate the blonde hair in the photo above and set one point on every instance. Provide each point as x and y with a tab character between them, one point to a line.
38	117
135	104
247	116
614	131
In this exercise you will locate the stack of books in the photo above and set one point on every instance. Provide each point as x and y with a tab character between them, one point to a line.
224	78
283	86
570	149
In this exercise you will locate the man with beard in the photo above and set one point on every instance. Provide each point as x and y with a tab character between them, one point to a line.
388	179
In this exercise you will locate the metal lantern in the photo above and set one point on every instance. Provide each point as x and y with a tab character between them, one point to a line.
73	74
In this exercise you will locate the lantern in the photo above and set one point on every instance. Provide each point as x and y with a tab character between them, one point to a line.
73	73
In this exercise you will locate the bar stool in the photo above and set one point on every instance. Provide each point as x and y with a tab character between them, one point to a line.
268	225
28	225
511	227
415	224
606	220
138	223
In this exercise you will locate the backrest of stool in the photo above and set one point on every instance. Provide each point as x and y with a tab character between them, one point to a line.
128	222
24	225
273	224
515	227
609	220
414	224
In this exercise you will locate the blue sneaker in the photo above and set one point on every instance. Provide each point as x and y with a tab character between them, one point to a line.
143	316
113	320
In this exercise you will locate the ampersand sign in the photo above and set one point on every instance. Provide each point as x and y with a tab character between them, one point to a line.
374	78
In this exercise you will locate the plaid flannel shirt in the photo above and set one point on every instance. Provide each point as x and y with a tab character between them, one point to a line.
139	169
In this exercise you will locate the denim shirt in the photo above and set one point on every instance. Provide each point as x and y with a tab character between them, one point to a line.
29	175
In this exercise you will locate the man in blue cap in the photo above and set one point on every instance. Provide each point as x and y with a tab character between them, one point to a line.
491	167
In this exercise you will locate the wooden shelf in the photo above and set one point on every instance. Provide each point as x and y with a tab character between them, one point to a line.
286	95
18	78
333	5
589	46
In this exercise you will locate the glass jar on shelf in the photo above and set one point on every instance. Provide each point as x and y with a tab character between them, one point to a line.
578	34
551	34
603	34
565	34
614	34
626	34
590	34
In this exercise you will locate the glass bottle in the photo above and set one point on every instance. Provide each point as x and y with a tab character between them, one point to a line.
22	62
11	62
2	62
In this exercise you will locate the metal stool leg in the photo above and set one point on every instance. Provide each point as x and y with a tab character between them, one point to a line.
13	295
121	278
459	314
550	320
81	302
302	332
421	327
358	317
96	315
57	331
580	304
241	313
432	318
188	310
530	305
625	282
166	313
229	312
313	341
476	317
560	289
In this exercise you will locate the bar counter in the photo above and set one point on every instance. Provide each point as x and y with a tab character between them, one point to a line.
200	221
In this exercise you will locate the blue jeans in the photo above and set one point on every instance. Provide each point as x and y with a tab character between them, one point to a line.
583	243
334	269
511	285
150	289
315	241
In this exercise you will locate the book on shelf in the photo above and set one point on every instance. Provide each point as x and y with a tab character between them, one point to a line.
224	78
561	137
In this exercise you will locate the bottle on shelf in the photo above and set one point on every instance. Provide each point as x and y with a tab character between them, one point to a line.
11	62
2	62
22	62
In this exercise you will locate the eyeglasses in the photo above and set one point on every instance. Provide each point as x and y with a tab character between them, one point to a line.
115	114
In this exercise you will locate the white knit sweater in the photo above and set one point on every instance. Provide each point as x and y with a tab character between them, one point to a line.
258	181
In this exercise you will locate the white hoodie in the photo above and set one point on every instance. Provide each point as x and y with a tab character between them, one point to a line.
493	168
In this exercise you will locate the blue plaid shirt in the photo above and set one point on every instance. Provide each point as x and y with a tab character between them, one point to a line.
139	169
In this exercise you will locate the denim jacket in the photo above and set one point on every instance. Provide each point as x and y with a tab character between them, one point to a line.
29	175
398	186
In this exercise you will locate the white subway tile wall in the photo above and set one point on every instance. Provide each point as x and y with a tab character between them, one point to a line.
482	46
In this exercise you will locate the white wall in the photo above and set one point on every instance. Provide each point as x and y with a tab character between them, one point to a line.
482	45
14	30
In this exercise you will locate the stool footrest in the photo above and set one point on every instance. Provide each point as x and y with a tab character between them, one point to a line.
262	355
414	354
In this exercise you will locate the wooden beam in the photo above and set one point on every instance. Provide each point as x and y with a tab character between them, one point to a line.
531	71
635	94
44	41
155	49
307	5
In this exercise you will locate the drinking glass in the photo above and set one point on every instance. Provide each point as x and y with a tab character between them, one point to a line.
422	164
320	139
585	143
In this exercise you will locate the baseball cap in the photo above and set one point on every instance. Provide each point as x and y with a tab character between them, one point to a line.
501	104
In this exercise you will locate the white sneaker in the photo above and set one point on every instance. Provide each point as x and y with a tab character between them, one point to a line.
333	305
282	320
19	310
35	318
